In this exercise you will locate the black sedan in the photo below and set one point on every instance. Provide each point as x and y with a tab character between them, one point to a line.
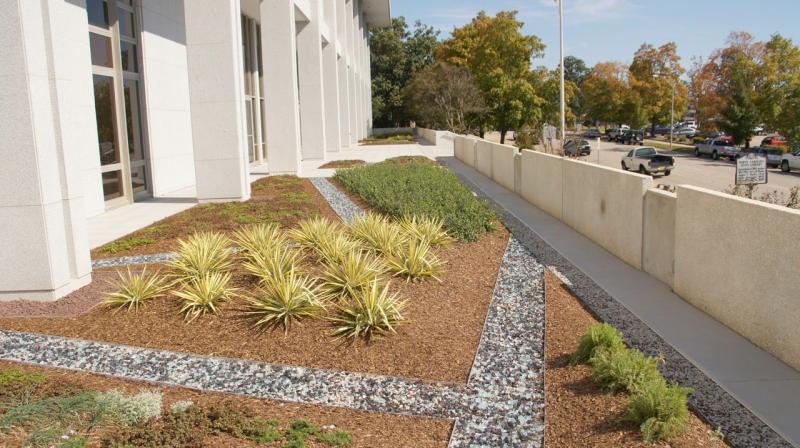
592	133
575	148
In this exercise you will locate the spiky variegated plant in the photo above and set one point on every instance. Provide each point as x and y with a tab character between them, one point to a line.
204	294
371	312
133	290
416	261
336	248
202	253
347	277
258	239
378	233
311	233
428	229
283	300
276	262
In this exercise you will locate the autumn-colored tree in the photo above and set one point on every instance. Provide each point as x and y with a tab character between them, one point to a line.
653	73
499	56
604	91
445	97
738	83
704	94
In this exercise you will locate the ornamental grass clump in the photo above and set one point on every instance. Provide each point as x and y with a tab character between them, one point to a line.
428	229
623	369
202	253
415	261
202	295
259	239
336	248
135	289
283	300
354	272
378	233
597	335
660	410
311	233
273	263
371	312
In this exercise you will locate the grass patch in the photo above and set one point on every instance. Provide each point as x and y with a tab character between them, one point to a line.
126	244
336	164
677	147
415	188
390	139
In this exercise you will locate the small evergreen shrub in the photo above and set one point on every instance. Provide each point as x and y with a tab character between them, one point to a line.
660	410
597	335
623	369
131	409
181	406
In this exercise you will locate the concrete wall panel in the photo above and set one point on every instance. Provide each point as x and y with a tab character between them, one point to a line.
658	237
541	181
483	157
737	260
503	171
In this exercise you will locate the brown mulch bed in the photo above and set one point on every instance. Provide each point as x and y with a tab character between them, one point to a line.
366	428
343	164
439	343
279	199
579	412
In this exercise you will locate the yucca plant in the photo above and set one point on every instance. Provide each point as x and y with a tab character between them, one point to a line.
202	253
258	239
201	295
416	261
283	300
428	229
347	277
273	263
378	233
133	290
336	248
311	233
371	312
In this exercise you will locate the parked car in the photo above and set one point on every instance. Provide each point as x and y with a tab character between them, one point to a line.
716	148
647	160
773	155
662	130
790	162
592	133
758	130
574	148
685	132
774	140
631	137
612	133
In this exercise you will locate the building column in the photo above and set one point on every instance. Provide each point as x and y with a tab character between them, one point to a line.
352	66
312	101
330	68
49	109
281	97
344	73
216	90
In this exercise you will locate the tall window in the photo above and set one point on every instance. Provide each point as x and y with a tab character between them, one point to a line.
253	88
114	47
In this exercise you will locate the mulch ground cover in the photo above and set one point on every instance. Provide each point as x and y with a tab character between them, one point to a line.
581	413
439	342
367	429
343	164
275	199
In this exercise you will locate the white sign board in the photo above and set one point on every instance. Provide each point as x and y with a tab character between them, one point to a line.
549	132
751	169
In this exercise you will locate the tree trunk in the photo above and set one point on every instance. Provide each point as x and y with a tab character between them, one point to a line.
503	136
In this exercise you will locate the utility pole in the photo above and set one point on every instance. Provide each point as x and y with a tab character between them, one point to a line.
672	117
563	105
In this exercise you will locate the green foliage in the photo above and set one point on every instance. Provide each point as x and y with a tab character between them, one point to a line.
354	272
267	265
205	294
131	409
445	97
75	442
202	253
371	312
660	410
17	384
181	406
134	290
597	335
48	418
415	261
282	300
427	229
336	438
420	189
313	233
126	244
258	239
378	233
623	369
336	248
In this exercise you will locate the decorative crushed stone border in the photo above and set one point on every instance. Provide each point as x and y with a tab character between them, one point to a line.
502	404
742	429
134	260
340	203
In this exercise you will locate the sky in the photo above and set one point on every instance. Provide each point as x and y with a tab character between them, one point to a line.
603	30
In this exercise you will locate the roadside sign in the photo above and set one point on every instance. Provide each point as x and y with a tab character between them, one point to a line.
751	169
549	132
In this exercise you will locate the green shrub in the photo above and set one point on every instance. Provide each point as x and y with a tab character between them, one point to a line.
623	369
660	410
597	335
126	244
427	229
202	253
17	383
416	261
371	312
205	294
133	290
131	409
420	189
283	300
378	233
351	274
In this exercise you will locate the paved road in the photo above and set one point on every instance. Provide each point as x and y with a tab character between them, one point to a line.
702	172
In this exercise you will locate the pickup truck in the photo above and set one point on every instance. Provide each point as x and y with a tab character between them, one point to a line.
790	162
647	160
716	148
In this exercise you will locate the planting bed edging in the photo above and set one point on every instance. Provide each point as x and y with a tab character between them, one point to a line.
742	429
338	201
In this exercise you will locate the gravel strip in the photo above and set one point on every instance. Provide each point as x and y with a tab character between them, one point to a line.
130	261
741	427
339	201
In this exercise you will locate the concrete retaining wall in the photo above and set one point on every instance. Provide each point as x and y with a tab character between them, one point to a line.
658	237
738	260
465	149
428	135
483	157
503	170
542	181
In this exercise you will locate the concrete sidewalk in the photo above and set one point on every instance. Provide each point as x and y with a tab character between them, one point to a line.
763	384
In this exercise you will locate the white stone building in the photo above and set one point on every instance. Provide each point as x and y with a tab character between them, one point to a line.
107	102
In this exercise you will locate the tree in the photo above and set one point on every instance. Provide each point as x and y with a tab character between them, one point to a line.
576	72
444	96
396	54
653	73
738	82
704	94
499	56
547	85
778	89
604	91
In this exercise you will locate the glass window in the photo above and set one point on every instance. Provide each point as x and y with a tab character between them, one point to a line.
129	61
134	120
126	23
138	179
112	184
100	47
250	137
106	129
97	10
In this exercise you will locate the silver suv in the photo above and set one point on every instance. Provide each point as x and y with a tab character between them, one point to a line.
716	148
